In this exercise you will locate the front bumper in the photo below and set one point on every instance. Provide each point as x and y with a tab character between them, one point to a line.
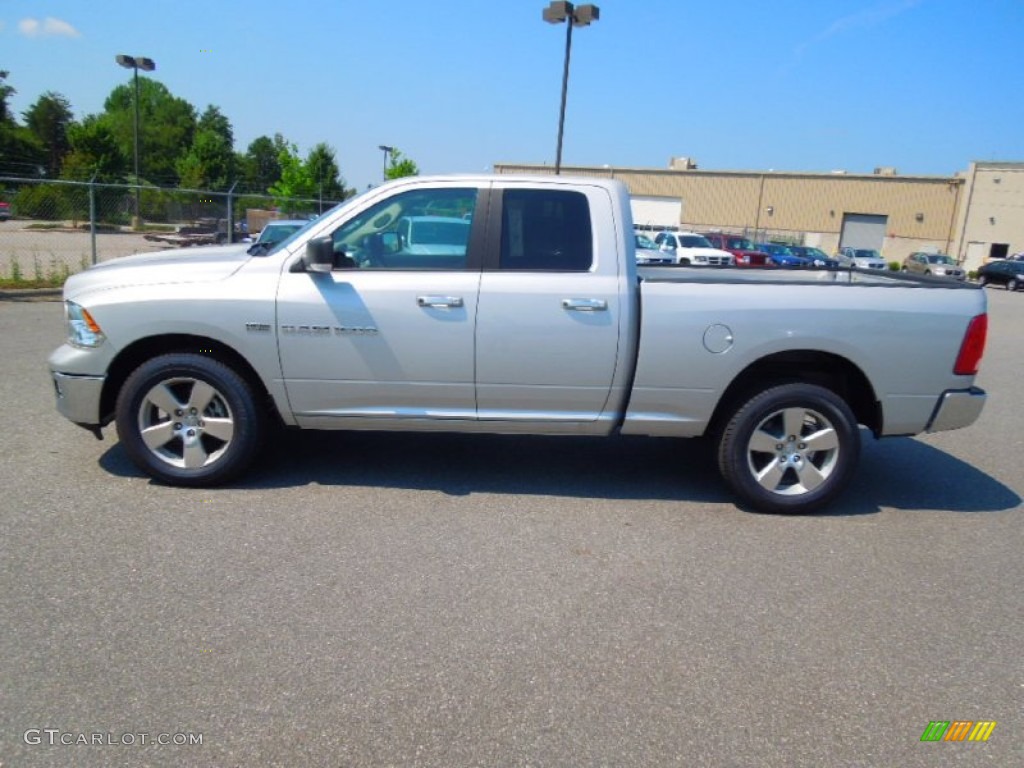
957	408
78	397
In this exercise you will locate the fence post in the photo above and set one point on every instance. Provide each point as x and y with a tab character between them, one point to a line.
231	214
92	215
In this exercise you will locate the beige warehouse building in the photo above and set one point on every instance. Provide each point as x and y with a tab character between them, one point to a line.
974	216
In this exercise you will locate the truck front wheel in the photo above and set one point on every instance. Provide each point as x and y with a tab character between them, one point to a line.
188	420
789	449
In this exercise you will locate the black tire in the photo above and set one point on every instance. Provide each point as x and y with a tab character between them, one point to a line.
189	420
1013	284
789	476
982	280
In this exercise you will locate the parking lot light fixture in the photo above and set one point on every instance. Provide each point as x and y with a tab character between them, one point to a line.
147	65
572	16
388	151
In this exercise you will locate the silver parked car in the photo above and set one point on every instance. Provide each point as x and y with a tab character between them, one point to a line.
861	258
933	264
647	251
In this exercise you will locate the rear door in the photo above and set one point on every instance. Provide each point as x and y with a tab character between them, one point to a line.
550	312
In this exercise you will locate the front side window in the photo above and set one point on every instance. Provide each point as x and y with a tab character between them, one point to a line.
546	230
420	229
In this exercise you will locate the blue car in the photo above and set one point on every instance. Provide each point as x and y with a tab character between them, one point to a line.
816	256
781	256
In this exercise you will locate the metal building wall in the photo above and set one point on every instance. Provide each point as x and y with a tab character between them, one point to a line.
992	213
800	207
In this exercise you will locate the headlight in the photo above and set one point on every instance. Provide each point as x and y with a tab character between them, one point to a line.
83	331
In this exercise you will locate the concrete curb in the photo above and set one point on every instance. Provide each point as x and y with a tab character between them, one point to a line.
31	294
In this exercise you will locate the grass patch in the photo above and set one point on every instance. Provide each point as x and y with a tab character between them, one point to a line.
52	275
10	284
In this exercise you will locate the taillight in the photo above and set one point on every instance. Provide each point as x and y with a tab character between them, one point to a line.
972	348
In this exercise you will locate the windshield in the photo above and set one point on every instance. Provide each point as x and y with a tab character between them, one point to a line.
694	241
642	241
740	244
940	258
274	232
866	253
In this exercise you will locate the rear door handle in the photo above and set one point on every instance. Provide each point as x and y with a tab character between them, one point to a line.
585	305
447	302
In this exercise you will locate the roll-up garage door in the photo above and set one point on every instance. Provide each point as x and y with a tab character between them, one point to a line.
863	230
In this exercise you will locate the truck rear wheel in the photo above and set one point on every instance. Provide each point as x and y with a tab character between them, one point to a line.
790	449
189	420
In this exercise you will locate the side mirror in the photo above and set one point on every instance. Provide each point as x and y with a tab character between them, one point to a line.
319	256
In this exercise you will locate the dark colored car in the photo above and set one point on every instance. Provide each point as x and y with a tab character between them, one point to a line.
743	251
816	256
782	256
1004	272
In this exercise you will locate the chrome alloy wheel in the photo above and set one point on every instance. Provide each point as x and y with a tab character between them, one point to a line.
793	451
185	422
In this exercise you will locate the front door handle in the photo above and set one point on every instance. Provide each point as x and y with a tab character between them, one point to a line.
585	305
447	302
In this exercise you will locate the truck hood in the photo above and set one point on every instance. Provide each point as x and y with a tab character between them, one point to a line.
180	265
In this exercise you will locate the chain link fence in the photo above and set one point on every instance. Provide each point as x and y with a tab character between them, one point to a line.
52	228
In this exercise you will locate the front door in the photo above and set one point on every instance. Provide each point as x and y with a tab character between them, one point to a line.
389	333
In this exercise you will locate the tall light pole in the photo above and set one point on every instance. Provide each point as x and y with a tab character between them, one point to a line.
388	151
148	65
576	16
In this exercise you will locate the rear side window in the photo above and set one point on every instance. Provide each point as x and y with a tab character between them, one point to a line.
546	230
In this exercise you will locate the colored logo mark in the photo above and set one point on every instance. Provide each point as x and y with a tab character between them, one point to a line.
958	730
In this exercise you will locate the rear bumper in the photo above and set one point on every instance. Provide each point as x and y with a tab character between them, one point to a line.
957	408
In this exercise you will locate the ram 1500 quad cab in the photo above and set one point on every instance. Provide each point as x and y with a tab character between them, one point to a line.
529	317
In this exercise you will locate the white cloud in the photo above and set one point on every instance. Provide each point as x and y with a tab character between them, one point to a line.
48	27
863	19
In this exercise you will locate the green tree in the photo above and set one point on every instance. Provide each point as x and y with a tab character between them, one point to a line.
167	125
48	120
209	162
400	166
20	153
323	168
260	166
212	119
94	150
296	179
6	91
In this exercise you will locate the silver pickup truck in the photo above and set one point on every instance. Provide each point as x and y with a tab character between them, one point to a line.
527	315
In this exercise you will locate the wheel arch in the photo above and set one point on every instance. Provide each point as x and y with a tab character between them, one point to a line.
138	352
828	370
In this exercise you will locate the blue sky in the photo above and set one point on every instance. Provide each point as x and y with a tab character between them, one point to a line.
926	86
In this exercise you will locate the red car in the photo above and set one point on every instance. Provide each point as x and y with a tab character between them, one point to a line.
743	251
5	211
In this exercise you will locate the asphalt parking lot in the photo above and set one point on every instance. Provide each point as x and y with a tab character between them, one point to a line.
417	600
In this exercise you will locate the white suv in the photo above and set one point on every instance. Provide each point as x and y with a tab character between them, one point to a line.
693	250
